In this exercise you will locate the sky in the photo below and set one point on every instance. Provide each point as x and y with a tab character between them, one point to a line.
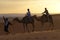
35	6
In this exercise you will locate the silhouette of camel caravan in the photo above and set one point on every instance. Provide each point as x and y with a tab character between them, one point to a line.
30	19
43	19
26	21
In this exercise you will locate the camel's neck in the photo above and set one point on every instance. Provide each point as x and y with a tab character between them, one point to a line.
36	18
20	21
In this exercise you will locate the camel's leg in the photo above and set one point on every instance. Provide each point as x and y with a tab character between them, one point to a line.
27	28
42	24
49	27
51	22
24	27
33	27
52	25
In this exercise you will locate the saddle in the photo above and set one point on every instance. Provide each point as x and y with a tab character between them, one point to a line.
44	17
28	18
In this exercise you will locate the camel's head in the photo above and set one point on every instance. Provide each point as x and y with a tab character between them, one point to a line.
34	16
15	19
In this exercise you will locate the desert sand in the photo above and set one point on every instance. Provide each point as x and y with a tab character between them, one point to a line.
17	32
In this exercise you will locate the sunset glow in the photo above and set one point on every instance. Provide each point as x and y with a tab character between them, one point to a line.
35	6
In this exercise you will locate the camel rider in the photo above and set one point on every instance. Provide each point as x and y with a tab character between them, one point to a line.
46	13
28	13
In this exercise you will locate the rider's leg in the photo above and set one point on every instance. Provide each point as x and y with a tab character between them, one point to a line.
48	17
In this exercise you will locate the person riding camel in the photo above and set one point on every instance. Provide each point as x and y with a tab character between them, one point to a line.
46	13
28	14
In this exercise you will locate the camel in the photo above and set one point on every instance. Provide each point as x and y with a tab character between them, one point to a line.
26	21
43	19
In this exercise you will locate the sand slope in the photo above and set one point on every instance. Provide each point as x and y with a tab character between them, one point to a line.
46	35
41	33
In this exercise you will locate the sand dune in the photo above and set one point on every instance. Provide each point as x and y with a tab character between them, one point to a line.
49	35
13	28
41	33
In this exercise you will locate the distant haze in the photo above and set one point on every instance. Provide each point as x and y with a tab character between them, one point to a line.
21	14
17	15
12	15
35	6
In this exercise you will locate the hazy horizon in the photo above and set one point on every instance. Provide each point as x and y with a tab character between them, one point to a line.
35	6
20	15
